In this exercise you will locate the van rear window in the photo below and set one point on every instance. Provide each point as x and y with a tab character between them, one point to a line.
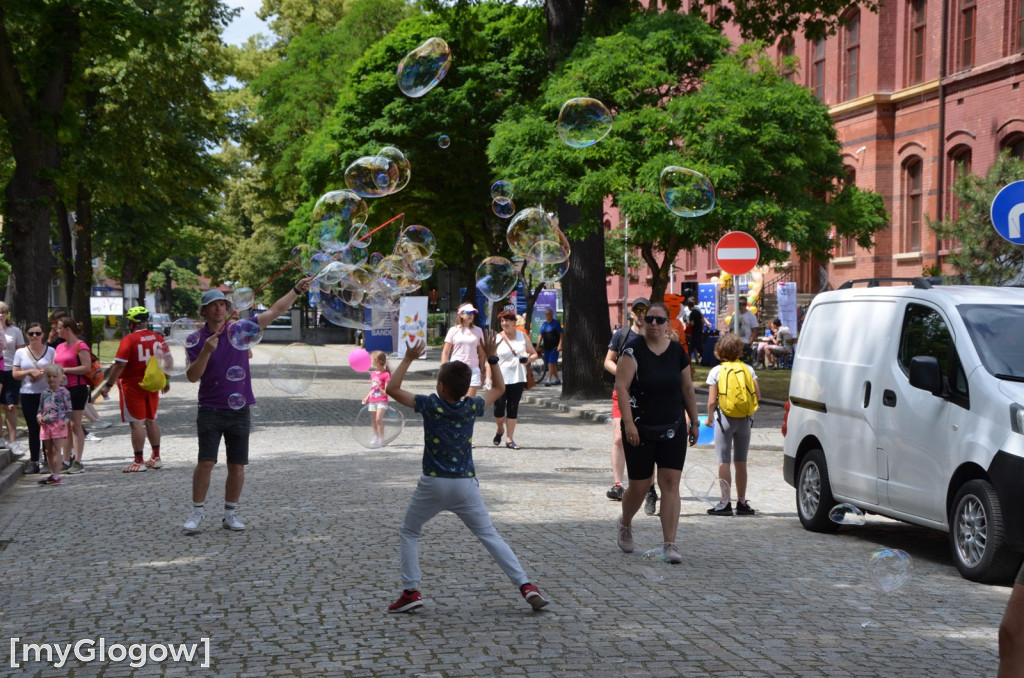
847	331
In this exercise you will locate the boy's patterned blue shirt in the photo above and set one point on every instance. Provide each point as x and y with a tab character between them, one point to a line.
448	435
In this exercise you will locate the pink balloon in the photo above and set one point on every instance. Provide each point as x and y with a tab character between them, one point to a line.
359	360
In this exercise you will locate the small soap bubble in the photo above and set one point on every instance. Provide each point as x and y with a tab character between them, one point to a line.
583	122
846	514
502	189
236	373
254	411
444	141
242	298
422	68
191	340
496	277
890	569
686	192
377	428
657	554
651	573
503	207
173	359
244	334
236	401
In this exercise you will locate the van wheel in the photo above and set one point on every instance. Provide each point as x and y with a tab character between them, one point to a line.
814	494
977	535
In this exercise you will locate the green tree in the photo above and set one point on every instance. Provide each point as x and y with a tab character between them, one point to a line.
982	256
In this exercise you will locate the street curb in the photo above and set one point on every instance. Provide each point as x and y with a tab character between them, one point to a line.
11	471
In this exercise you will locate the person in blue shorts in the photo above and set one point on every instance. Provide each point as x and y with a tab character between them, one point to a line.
449	481
550	345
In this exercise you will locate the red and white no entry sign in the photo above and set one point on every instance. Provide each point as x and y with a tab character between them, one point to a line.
737	252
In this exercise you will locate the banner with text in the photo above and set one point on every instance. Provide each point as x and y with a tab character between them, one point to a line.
412	323
787	305
707	302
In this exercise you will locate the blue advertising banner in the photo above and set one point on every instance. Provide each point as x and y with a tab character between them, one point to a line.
381	338
707	302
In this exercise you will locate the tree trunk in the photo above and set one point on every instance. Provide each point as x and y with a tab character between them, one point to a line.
26	230
585	304
565	22
66	261
83	260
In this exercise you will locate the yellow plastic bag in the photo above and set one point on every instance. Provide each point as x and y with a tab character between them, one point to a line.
154	379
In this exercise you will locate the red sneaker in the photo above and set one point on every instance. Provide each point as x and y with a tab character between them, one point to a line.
408	601
533	596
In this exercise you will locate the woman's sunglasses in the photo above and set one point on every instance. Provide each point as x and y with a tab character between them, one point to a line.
35	334
656	319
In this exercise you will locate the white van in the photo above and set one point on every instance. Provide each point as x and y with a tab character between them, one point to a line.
908	402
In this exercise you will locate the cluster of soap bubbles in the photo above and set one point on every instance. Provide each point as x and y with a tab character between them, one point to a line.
686	192
705	485
421	69
537	241
583	122
501	199
890	569
374	176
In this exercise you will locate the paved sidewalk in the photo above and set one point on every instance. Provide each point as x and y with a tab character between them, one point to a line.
303	591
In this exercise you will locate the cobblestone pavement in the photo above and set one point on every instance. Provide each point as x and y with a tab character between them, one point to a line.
304	589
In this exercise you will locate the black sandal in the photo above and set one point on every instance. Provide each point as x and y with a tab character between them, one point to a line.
511	445
497	437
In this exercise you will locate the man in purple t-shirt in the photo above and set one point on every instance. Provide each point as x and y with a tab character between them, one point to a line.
224	402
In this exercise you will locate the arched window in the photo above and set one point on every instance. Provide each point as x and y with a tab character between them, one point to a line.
851	55
960	159
966	34
913	204
1015	142
917	30
818	69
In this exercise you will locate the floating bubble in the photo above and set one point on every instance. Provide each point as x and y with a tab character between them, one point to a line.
242	298
583	122
236	401
236	373
502	189
705	485
706	435
533	231
334	215
359	360
182	327
420	236
503	207
244	334
686	192
397	166
890	569
422	68
496	277
377	428
846	514
293	368
300	255
444	141
359	236
191	340
541	272
651	573
371	176
173	359
254	411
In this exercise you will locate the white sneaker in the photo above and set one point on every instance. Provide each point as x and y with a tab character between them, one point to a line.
231	522
192	524
92	438
15	448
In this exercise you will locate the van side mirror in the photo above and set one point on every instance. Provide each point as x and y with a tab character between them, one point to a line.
926	374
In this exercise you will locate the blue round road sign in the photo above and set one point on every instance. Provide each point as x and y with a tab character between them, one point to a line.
1008	212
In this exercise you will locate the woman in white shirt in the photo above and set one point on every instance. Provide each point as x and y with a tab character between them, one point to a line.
13	340
515	353
464	343
29	363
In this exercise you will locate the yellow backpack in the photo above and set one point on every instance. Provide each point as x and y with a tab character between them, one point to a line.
154	379
736	394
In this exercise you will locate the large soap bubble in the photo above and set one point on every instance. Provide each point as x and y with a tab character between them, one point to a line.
377	428
890	569
686	192
846	514
496	277
244	334
583	122
705	485
416	242
533	236
173	359
182	327
293	368
242	298
424	67
543	272
397	166
334	216
371	177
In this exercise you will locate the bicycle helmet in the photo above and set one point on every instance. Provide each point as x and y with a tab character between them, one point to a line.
137	314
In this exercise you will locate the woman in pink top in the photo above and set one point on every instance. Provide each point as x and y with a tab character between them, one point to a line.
464	343
76	359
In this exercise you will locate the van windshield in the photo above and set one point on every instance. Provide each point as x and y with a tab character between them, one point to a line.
996	332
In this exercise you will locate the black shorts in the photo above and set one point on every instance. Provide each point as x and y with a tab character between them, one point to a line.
79	397
232	425
641	459
12	388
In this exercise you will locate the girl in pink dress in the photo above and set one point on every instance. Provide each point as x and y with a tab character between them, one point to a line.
53	417
377	399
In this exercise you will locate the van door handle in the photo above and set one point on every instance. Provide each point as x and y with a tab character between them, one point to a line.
888	398
867	393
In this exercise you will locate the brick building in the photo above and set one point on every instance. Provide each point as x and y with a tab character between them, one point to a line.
920	91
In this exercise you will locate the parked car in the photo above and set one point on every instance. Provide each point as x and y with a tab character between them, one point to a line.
908	402
160	323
